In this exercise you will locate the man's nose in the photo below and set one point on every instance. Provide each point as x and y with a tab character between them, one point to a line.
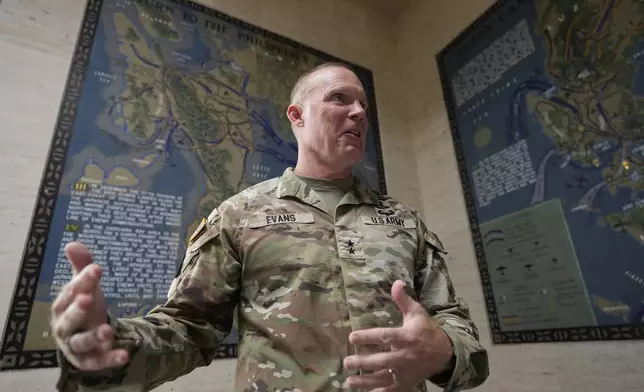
358	112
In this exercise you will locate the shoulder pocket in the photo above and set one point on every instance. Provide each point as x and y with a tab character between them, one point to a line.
192	253
211	233
434	242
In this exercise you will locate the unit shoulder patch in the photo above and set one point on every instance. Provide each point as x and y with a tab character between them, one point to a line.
198	232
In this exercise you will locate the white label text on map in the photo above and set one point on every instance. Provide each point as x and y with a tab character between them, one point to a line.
489	66
504	172
133	235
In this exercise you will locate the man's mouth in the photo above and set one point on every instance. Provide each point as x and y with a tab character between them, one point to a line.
352	132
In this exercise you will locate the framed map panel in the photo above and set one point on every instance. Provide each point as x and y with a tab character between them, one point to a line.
545	103
169	109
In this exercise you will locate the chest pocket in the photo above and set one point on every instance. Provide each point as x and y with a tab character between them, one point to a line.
272	241
387	245
391	232
282	253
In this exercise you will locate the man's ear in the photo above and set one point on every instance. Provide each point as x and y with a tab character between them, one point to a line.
294	114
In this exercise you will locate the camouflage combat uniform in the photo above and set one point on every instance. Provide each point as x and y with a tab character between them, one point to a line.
301	281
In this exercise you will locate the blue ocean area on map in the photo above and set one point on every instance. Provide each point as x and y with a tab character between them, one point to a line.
499	117
177	178
103	137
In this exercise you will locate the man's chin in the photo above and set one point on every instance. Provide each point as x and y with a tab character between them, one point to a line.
351	155
352	148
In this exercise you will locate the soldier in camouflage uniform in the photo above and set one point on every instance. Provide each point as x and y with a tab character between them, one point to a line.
336	286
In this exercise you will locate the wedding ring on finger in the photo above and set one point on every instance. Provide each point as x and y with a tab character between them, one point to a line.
393	375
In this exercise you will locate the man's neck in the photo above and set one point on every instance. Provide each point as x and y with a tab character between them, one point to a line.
319	171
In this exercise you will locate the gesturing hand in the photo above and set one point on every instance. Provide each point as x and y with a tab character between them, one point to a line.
419	350
79	315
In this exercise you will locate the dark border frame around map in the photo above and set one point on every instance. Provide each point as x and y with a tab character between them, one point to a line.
578	334
12	355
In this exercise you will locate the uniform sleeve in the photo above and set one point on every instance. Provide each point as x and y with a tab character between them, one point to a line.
184	333
435	291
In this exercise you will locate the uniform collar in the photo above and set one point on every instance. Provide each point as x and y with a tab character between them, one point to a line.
290	185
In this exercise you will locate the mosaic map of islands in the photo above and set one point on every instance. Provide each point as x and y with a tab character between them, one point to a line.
547	113
170	109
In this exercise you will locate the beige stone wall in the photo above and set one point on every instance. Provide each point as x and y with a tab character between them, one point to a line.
425	28
36	42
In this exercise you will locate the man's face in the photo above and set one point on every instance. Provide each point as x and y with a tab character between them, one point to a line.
331	122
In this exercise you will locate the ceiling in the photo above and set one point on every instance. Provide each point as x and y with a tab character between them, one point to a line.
391	8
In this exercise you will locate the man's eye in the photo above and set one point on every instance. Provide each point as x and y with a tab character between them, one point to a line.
338	97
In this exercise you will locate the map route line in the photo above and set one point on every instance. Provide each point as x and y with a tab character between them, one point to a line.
246	78
244	165
541	86
266	125
586	201
236	124
201	84
169	138
538	85
181	73
229	106
516	112
194	140
550	49
540	187
628	35
261	121
265	150
245	82
120	100
252	113
517	103
142	59
600	104
276	155
605	16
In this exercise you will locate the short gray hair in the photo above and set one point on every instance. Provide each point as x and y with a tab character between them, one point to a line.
300	88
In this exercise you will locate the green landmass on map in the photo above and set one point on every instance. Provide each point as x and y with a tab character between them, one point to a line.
589	57
216	118
158	21
612	308
131	35
119	176
631	222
